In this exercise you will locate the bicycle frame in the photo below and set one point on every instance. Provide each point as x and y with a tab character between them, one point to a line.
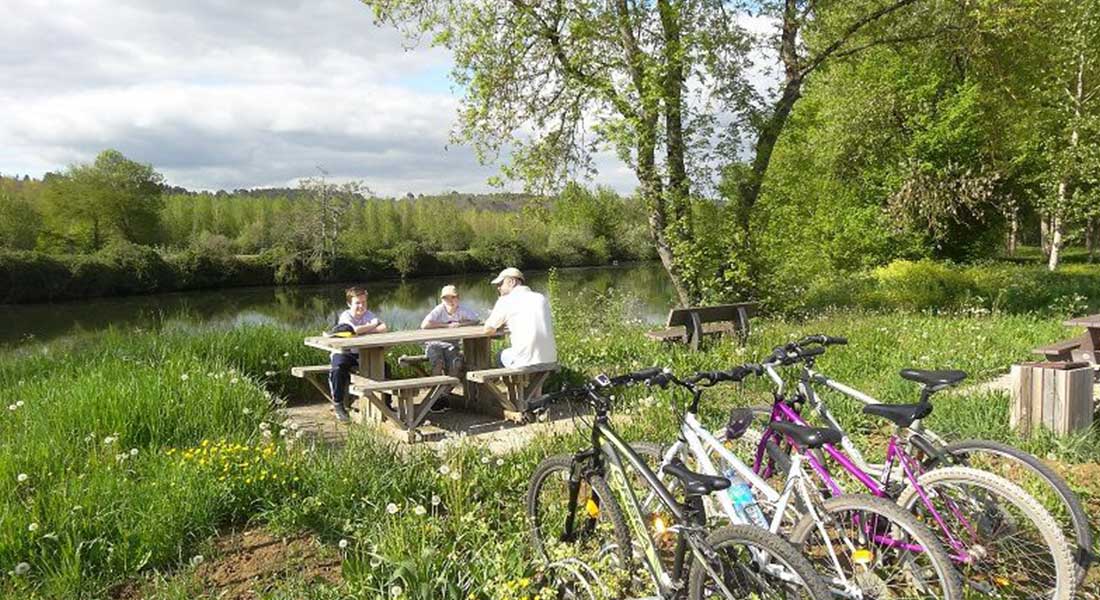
609	458
895	454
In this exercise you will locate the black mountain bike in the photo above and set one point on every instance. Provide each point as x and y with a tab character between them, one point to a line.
575	507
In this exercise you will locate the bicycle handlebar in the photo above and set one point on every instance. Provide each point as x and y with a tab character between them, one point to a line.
824	340
599	382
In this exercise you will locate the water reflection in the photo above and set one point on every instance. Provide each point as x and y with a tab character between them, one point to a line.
401	304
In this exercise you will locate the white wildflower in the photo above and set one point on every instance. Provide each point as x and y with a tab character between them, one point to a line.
286	355
234	380
78	508
264	425
484	460
197	559
454	475
500	462
109	439
392	508
396	591
247	410
436	500
19	404
32	527
22	477
22	569
12	407
266	433
444	469
133	451
343	544
269	373
420	510
184	377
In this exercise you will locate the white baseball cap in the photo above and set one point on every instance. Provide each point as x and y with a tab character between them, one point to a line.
509	272
448	290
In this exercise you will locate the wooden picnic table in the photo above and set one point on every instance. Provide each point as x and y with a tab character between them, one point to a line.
373	347
1090	342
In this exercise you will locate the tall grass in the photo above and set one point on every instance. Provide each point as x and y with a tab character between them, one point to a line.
137	447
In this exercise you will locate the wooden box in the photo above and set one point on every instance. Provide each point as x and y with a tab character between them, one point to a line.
1055	395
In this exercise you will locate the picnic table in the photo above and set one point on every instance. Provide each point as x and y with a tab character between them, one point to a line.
407	402
1085	347
690	324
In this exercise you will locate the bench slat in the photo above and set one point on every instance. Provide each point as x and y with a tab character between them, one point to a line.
1063	346
370	385
490	374
679	331
303	371
412	359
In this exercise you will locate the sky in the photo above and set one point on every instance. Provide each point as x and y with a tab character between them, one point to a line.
227	95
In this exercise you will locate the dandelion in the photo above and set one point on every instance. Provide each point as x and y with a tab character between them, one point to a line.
420	510
286	355
22	477
22	569
269	373
78	508
234	381
133	451
12	407
500	462
110	439
454	475
396	591
392	508
247	410
298	434
444	469
19	404
484	460
264	425
375	562
197	559
185	377
266	433
436	500
343	544
32	527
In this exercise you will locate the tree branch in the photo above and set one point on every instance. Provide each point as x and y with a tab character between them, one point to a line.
853	29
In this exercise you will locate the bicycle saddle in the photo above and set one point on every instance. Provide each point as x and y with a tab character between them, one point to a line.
695	484
901	415
807	437
933	378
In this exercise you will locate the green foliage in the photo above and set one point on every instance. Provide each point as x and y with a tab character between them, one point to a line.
20	222
406	257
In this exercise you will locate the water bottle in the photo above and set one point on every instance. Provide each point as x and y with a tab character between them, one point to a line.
740	493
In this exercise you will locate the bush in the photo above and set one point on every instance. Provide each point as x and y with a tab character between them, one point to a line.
499	253
923	285
31	276
406	257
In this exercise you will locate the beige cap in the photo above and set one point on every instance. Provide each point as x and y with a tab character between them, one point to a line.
448	290
509	272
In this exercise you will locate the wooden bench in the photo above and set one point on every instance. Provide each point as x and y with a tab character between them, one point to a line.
689	325
414	397
519	385
416	361
1064	350
317	375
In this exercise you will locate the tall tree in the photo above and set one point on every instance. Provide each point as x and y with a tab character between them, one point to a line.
112	198
549	83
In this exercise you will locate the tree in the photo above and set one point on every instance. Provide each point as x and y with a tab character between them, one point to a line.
322	220
112	198
551	82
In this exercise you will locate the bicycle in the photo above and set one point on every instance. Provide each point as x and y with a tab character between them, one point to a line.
731	562
985	454
982	519
868	546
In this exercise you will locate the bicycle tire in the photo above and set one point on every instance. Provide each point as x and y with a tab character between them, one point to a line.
1078	522
935	483
813	587
561	466
950	583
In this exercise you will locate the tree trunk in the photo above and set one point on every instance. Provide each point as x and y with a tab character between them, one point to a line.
1057	237
1063	185
678	188
1044	234
1090	237
1013	232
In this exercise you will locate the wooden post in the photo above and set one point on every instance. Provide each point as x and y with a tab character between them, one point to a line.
1055	395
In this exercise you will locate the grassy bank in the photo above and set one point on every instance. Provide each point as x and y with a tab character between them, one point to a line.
126	452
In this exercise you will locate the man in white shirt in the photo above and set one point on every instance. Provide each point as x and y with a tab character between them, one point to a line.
526	314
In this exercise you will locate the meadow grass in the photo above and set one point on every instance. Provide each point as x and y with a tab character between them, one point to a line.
126	452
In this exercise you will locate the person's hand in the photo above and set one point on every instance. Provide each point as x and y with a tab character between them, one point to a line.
454	324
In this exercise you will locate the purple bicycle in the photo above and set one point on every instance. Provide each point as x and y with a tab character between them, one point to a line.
1001	539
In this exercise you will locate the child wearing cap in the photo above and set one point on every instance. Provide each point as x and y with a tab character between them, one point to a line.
359	320
444	356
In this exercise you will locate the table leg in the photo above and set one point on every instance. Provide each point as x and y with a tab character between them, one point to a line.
478	356
372	365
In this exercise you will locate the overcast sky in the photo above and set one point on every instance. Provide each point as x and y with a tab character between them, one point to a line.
218	94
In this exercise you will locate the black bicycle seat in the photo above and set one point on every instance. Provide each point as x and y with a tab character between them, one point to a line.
807	437
901	415
695	484
933	378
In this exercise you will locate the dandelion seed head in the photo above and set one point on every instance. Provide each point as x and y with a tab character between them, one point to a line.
185	377
19	404
454	475
420	510
436	500
197	559
343	544
484	460
392	508
22	477
266	433
32	527
444	469
396	591
500	462
22	569
133	451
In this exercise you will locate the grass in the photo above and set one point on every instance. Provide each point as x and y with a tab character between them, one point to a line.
138	447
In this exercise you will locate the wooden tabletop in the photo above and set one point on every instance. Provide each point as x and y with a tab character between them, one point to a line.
1091	321
393	338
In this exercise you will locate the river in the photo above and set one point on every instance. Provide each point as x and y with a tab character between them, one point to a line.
402	304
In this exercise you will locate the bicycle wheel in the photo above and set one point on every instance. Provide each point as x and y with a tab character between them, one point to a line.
753	563
1013	547
599	534
1039	480
881	551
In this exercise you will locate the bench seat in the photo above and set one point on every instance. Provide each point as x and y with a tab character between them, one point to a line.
317	376
1062	350
510	388
395	385
303	372
678	332
405	402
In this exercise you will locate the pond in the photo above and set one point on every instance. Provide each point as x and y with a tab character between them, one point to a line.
402	304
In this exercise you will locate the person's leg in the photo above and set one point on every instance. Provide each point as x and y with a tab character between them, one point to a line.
437	359
455	365
339	377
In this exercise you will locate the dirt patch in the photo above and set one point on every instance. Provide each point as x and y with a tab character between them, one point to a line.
247	564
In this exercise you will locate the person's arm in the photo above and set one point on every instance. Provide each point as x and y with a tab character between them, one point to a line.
496	319
375	325
432	320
